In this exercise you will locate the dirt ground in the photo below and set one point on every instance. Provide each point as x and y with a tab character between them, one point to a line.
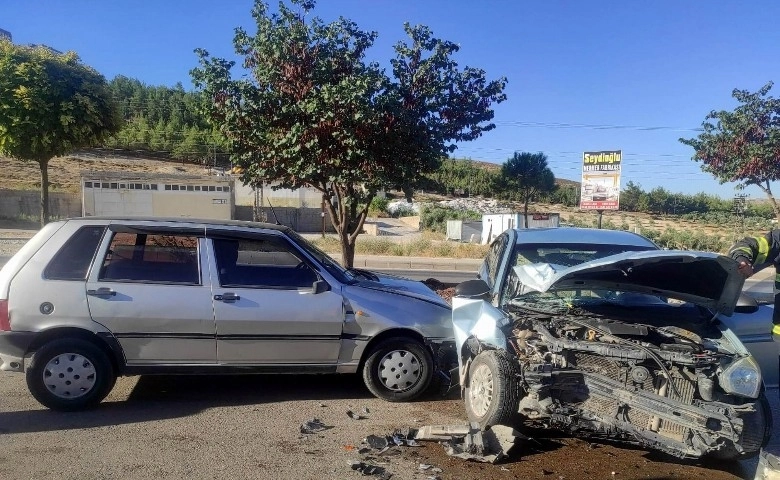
65	172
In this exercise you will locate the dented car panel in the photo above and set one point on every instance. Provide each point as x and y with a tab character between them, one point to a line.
128	296
622	345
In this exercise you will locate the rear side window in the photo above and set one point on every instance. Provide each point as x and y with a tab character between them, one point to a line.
72	261
155	258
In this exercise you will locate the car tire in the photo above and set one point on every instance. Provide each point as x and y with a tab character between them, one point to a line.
70	374
398	370
492	394
756	430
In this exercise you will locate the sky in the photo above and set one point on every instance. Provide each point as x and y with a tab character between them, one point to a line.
582	75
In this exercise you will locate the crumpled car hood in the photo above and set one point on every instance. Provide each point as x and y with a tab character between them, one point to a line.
707	279
403	286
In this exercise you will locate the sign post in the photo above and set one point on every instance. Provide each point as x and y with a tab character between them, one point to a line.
601	181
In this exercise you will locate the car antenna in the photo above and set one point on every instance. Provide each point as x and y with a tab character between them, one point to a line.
276	219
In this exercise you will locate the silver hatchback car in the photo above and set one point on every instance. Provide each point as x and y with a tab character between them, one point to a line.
90	299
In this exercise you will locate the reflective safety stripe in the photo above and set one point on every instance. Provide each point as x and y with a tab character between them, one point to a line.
776	330
763	250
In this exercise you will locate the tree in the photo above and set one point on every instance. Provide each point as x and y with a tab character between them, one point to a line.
50	104
314	113
526	175
743	145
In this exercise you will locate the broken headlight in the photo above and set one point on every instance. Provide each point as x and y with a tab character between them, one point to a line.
741	378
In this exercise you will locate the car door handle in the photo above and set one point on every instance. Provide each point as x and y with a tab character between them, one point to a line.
227	297
102	292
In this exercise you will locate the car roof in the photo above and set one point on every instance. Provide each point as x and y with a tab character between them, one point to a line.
205	222
559	235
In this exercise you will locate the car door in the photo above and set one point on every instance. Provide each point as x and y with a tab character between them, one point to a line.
147	288
266	307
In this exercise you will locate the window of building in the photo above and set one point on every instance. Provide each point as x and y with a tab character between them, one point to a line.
114	186
87	184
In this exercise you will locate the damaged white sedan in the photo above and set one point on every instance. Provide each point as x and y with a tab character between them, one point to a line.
598	332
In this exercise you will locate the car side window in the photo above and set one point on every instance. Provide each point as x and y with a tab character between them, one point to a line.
72	261
268	262
152	258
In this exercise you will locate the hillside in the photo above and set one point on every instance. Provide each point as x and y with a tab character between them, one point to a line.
65	172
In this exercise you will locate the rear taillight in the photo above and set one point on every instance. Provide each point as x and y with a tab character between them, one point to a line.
5	322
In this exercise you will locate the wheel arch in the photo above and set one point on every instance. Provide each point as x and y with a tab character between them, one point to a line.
106	342
392	333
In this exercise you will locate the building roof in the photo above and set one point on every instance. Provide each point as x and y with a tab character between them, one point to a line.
146	176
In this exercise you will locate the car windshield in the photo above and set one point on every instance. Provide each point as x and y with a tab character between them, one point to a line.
332	266
567	255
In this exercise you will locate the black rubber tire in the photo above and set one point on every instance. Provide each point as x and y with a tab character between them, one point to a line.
103	382
372	369
504	383
756	430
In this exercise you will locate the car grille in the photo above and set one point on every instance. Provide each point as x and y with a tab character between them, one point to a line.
607	408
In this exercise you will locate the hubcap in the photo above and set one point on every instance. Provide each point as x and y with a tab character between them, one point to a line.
69	375
400	370
481	389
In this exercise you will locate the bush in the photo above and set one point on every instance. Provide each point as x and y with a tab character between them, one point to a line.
378	205
434	217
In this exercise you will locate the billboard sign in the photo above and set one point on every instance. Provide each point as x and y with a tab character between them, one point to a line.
601	180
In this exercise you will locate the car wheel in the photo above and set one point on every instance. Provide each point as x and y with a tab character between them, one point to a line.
492	394
398	370
756	430
70	374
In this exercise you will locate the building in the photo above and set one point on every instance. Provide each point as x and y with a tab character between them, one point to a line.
157	195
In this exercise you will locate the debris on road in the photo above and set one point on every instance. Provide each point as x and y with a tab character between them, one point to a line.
469	442
314	425
355	416
367	469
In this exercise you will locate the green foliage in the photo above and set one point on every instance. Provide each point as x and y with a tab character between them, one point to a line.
378	205
315	113
743	145
167	121
50	104
525	176
464	177
434	217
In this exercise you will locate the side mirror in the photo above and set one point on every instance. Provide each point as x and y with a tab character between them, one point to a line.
320	286
476	289
746	304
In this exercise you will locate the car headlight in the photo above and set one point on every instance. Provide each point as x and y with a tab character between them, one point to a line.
742	378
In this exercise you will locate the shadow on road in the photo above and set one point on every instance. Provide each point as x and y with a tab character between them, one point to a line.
163	397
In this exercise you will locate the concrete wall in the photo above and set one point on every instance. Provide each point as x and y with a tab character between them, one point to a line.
27	203
305	220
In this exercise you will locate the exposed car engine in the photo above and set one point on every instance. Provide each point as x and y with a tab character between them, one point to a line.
598	371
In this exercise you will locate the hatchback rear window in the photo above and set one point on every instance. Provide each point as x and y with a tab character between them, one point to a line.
72	261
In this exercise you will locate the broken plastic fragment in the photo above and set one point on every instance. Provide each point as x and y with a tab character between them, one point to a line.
377	442
355	416
314	425
367	469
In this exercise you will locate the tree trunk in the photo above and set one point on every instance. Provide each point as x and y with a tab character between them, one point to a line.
525	212
44	165
347	250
